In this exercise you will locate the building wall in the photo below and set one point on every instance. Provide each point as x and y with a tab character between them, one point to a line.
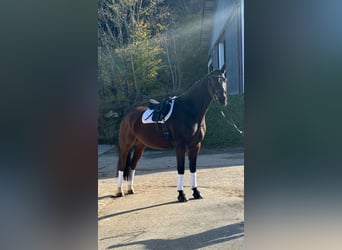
226	44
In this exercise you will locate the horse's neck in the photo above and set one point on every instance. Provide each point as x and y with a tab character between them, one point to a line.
198	98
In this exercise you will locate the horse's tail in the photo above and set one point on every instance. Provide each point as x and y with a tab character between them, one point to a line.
127	170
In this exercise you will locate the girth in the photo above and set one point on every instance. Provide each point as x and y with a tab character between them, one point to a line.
161	109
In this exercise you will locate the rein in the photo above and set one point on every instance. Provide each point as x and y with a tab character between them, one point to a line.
231	122
213	95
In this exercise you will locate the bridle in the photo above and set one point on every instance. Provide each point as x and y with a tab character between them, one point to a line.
220	90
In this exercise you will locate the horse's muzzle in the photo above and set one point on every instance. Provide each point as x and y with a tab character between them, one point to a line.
222	100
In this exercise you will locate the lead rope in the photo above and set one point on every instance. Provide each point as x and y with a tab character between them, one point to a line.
231	122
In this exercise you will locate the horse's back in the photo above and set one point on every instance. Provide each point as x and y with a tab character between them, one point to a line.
133	129
134	114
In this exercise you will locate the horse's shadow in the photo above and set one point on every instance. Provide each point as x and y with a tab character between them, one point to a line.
195	241
136	209
133	210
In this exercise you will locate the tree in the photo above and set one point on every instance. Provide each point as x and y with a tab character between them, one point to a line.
141	53
126	30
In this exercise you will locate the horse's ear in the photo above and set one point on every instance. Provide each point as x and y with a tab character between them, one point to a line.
211	67
223	69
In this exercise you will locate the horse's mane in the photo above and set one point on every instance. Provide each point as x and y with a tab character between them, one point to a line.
195	85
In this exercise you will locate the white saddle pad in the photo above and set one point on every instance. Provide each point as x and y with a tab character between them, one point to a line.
147	115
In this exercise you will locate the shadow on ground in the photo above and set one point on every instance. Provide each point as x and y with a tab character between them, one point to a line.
133	210
195	241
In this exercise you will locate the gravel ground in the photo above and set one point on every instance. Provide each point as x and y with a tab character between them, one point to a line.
153	219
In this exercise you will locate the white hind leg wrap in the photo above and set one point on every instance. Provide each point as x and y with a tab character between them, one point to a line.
131	178
120	179
180	182
193	180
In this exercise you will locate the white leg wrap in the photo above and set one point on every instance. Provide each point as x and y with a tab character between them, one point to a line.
120	179
131	178
180	182
193	180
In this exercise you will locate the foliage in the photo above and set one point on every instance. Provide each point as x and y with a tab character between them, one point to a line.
146	49
219	130
129	57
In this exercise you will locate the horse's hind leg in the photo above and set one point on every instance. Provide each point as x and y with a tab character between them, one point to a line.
126	140
138	151
124	160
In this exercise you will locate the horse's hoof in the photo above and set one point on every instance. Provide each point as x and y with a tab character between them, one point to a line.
120	194
181	197
130	189
196	194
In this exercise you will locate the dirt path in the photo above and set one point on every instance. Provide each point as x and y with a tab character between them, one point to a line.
152	219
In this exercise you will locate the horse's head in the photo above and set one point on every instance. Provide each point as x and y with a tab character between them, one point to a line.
218	84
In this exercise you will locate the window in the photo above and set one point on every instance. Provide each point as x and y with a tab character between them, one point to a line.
221	54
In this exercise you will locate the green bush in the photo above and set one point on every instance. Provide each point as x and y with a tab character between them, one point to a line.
219	130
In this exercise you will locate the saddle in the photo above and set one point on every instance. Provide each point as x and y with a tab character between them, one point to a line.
161	109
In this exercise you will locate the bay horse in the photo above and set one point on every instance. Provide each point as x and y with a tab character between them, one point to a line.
186	128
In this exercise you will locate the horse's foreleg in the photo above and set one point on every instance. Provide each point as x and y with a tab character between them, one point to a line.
180	153
193	153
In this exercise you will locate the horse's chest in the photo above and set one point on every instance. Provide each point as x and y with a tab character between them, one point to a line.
198	131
